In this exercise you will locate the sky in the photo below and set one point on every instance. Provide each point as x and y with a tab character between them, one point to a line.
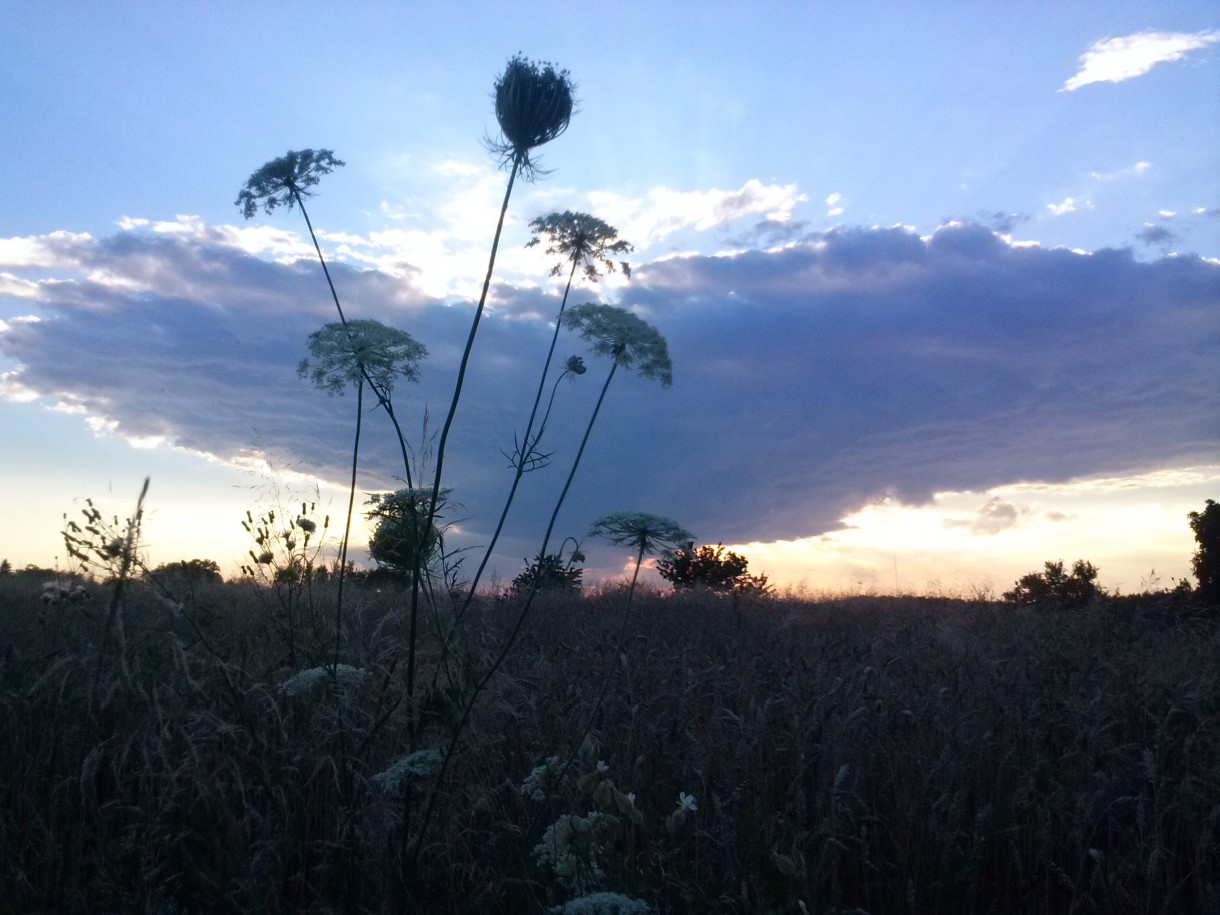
940	282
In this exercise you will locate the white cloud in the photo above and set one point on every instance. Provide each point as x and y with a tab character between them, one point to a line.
1114	60
1069	205
663	212
833	203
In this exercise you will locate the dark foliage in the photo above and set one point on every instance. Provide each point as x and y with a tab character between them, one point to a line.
1206	561
1055	588
710	567
553	575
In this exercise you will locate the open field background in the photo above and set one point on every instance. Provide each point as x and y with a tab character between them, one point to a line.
866	754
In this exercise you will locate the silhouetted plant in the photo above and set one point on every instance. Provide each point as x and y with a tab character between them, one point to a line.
630	342
404	537
582	241
194	571
1206	561
350	353
534	105
1054	587
552	574
710	567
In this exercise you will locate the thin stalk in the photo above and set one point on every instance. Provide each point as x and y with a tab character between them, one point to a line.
413	623
347	530
440	451
486	679
526	445
383	398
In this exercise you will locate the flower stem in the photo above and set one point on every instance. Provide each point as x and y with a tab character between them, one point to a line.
512	637
347	529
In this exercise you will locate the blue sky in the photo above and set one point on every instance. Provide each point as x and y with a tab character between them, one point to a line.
941	282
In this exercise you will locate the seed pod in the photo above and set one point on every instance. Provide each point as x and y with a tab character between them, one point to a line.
533	104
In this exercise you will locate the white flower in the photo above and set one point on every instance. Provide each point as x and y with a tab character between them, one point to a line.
686	802
419	764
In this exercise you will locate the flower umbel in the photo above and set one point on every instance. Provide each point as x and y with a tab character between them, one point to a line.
630	341
646	532
581	239
284	181
340	351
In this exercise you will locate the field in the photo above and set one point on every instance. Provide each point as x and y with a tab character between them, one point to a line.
862	754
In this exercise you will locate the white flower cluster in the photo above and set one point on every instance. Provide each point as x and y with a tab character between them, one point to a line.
304	681
543	781
572	849
602	904
420	764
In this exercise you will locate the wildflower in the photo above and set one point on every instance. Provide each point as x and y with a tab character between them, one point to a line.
307	525
647	532
346	676
630	341
602	904
533	105
420	764
345	353
582	240
543	780
575	366
686	802
285	181
572	848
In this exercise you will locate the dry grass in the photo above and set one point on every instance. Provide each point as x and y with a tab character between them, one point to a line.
868	754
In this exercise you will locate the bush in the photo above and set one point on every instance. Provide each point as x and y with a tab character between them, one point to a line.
1206	561
710	567
553	574
1055	587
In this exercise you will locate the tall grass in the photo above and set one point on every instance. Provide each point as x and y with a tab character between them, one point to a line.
872	754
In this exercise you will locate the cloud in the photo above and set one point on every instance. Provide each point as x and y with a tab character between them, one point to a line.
1139	168
808	379
664	212
993	517
1115	60
832	202
1069	205
1156	236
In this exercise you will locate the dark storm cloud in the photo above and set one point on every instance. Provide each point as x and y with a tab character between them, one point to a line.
808	380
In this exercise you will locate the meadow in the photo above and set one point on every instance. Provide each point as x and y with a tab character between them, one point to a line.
764	755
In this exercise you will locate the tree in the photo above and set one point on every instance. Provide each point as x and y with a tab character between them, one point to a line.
709	567
1055	587
401	519
193	571
6	568
1206	561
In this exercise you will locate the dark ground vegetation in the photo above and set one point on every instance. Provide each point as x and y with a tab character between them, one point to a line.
884	755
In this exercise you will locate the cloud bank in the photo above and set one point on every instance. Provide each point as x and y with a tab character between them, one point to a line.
808	379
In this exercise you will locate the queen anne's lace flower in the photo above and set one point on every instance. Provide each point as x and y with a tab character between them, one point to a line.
283	181
647	532
628	340
340	350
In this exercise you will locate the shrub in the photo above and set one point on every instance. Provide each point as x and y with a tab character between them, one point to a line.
1206	561
1055	587
710	567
